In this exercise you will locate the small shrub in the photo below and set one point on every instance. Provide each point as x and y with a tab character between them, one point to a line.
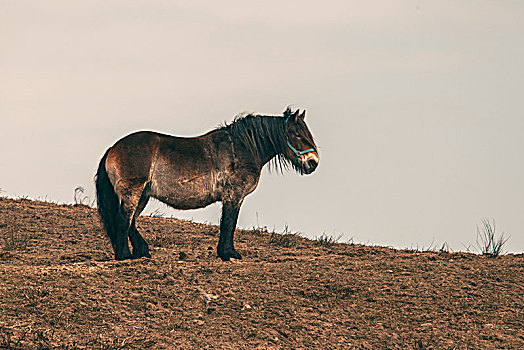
487	241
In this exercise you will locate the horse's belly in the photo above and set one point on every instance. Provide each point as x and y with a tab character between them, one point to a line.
189	193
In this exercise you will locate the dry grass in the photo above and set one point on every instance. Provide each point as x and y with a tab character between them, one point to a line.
488	242
326	240
286	239
13	236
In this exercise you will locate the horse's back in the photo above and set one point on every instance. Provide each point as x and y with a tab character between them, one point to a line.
138	150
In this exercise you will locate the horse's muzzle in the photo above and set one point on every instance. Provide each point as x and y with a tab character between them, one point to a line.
309	163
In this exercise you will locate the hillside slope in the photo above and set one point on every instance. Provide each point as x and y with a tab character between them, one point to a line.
60	288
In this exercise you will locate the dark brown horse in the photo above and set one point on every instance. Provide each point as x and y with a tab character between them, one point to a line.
188	173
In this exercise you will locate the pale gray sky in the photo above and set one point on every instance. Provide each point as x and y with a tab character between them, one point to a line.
416	105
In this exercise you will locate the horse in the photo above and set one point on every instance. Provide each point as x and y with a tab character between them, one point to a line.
193	172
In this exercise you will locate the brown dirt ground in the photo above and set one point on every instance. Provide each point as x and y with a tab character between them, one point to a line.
60	288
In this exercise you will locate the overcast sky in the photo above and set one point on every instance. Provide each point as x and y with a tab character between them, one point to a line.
417	106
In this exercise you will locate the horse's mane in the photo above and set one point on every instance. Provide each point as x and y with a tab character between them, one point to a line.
260	135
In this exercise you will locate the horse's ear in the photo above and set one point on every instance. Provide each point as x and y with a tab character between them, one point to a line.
303	115
294	116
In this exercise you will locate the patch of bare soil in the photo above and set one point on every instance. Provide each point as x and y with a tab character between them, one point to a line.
61	289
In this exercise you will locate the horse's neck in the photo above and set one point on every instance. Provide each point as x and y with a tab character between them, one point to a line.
269	152
262	159
272	153
265	158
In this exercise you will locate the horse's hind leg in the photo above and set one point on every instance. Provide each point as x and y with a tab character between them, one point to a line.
121	245
125	221
140	246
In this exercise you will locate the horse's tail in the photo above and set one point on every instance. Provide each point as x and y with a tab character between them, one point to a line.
107	200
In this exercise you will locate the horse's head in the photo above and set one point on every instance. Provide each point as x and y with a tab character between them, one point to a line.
301	149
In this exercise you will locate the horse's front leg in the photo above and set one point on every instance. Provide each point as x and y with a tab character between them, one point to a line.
228	223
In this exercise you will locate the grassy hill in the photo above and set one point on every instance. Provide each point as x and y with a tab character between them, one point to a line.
60	288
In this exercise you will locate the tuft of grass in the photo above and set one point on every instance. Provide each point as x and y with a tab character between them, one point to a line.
259	230
487	241
445	248
14	238
286	239
431	248
157	213
325	240
468	248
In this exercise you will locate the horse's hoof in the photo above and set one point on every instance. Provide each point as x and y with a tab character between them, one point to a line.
235	254
227	254
143	254
125	257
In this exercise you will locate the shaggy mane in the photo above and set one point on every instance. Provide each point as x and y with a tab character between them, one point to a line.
262	135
